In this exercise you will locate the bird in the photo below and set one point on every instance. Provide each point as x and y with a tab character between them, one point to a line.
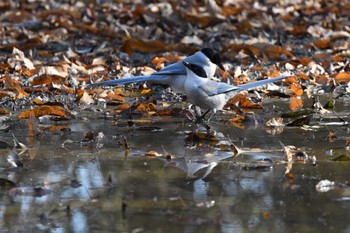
210	95
175	74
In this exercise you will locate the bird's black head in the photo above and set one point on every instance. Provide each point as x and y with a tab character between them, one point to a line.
198	70
213	57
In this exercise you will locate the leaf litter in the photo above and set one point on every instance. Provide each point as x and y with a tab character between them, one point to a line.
48	57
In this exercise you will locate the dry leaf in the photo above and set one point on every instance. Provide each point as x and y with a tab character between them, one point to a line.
86	99
342	77
147	107
295	103
47	80
47	110
13	86
32	124
297	89
323	44
133	44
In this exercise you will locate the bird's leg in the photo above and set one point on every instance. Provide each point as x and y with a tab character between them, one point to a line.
211	115
201	120
192	110
197	112
200	117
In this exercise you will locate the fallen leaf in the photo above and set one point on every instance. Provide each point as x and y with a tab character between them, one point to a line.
86	99
201	136
89	136
300	121
146	107
298	30
342	77
323	44
18	54
48	79
32	124
5	183
47	110
238	119
295	103
14	86
4	112
297	89
298	113
155	46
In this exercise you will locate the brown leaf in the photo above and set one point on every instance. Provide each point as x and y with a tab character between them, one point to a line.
238	119
230	10
273	73
201	136
322	79
291	80
305	61
323	44
273	51
298	29
296	89
159	62
155	46
121	108
4	112
263	50
202	20
342	77
14	86
48	79
89	136
235	99
303	77
47	110
32	72
295	103
146	107
38	102
32	124
55	128
5	67
170	112
243	101
247	103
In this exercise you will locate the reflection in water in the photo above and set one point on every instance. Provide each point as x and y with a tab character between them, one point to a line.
200	191
79	222
195	191
91	178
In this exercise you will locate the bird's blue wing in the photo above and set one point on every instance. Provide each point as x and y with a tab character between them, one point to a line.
174	69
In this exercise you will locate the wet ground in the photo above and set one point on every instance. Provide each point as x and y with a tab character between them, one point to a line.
196	186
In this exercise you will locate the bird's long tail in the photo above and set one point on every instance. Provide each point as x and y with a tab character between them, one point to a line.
120	81
260	83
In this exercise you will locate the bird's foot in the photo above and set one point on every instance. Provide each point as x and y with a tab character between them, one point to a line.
202	122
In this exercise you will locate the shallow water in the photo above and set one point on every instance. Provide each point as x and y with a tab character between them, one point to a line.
126	191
